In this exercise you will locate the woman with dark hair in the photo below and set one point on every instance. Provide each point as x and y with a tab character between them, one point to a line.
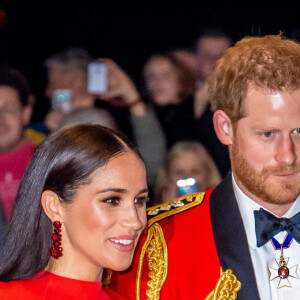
79	211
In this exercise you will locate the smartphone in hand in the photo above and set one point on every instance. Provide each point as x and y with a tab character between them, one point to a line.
61	100
97	78
186	186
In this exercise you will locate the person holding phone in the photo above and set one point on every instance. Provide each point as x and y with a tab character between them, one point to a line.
183	161
79	212
147	131
74	81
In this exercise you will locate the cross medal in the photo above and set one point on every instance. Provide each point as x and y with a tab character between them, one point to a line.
283	272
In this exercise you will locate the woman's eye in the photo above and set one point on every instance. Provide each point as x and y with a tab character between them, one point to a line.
112	201
141	200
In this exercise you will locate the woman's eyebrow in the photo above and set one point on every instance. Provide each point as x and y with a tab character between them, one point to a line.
123	191
143	191
118	190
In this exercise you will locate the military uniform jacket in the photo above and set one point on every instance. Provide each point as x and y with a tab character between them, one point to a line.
194	248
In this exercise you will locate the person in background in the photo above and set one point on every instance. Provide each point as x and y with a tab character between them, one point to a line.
147	131
211	45
185	160
80	210
68	70
15	149
240	240
169	88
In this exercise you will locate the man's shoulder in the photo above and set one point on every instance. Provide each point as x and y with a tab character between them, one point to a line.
179	209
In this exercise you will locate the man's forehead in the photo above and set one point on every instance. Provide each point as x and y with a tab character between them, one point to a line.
9	95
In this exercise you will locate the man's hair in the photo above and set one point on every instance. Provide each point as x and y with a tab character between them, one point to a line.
69	60
269	63
12	78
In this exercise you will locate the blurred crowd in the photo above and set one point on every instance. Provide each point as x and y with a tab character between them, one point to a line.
169	117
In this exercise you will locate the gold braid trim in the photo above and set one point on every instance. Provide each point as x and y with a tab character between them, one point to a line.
157	251
161	211
226	288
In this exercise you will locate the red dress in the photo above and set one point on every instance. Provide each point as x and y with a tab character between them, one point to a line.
48	286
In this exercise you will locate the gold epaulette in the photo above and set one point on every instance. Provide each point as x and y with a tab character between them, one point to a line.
175	206
155	245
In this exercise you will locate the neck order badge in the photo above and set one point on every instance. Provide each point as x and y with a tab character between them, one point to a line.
283	272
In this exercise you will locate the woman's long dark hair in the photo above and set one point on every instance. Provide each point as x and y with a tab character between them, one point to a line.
62	163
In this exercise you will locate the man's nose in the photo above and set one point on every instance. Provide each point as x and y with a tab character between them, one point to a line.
285	152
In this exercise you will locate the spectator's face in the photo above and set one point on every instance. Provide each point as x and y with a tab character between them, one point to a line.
13	117
265	153
209	50
187	165
75	82
161	80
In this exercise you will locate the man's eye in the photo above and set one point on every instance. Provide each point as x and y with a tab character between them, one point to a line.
297	131
141	200
112	201
268	133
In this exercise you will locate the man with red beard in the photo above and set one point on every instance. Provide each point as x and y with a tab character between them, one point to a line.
241	239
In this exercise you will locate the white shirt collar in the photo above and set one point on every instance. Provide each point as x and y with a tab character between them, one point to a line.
247	206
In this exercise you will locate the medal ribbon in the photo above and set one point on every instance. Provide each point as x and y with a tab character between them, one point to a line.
286	243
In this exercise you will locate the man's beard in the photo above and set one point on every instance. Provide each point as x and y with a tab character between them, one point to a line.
262	184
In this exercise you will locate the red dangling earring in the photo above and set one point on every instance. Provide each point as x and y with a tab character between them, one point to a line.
56	250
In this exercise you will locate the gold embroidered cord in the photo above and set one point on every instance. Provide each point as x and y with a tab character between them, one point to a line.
226	288
157	262
140	266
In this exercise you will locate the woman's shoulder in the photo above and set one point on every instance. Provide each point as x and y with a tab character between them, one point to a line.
17	290
50	286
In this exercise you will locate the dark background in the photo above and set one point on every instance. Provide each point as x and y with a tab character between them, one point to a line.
127	31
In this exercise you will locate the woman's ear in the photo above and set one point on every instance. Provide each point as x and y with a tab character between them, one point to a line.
51	205
223	127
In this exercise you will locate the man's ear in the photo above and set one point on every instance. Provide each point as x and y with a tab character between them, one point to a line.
223	127
26	114
52	205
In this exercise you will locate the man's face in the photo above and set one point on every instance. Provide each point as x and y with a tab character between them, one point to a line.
13	116
265	153
75	82
209	50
